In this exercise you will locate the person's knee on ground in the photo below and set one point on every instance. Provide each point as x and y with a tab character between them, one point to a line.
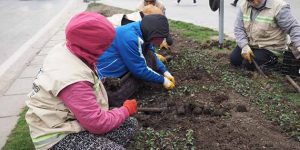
127	88
265	58
235	57
237	60
125	132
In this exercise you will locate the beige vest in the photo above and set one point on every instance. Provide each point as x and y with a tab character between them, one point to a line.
49	120
116	19
263	32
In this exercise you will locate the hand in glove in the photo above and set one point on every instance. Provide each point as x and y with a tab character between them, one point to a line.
131	106
164	44
247	53
168	84
168	75
161	58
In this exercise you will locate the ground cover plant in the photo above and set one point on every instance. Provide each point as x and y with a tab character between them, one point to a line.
214	106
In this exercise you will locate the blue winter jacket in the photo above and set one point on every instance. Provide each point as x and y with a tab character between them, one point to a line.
125	55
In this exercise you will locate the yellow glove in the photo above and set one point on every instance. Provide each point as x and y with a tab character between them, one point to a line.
164	44
247	53
168	75
161	58
168	84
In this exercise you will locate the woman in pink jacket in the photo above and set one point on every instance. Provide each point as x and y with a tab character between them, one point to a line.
68	106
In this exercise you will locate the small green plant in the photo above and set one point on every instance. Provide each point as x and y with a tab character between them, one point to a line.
277	104
148	138
190	139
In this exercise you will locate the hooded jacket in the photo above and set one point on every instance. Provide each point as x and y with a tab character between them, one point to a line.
126	52
67	96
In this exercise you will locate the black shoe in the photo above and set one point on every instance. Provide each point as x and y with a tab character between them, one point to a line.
233	4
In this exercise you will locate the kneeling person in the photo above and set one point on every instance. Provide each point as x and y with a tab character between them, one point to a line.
132	52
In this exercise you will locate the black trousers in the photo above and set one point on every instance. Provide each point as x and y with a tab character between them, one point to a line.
178	1
267	60
129	84
263	57
127	88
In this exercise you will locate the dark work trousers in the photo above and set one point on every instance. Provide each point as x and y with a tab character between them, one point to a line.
127	88
129	84
178	1
264	58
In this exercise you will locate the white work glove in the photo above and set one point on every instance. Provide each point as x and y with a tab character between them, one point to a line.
168	75
247	53
296	53
168	84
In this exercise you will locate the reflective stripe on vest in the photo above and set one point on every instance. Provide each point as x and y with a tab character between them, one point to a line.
49	138
246	18
263	31
96	85
260	19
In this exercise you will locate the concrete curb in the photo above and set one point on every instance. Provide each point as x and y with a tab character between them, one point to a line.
11	68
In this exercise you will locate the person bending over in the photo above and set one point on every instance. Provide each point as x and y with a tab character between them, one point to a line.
68	106
132	52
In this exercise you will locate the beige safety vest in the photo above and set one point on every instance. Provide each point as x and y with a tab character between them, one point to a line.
116	19
49	120
263	32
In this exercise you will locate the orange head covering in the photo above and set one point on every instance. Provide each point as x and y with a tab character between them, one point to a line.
150	9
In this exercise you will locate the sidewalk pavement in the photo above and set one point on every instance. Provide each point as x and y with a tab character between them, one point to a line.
13	99
200	14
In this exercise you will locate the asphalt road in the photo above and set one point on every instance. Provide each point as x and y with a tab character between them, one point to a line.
22	19
199	14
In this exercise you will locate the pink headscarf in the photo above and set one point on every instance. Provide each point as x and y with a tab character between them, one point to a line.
88	35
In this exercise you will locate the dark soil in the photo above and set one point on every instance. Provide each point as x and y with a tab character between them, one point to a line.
220	119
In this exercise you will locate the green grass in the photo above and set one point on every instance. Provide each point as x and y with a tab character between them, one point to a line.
197	33
19	139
